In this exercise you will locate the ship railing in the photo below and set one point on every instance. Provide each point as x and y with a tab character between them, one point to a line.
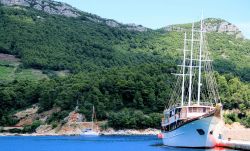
192	103
206	104
172	107
201	103
195	103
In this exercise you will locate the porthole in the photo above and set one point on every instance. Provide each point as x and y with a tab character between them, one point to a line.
200	131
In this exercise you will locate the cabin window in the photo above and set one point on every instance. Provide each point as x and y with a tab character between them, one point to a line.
167	119
204	110
195	109
177	111
190	110
166	115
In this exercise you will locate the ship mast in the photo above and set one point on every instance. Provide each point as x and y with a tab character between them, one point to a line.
200	55
195	61
190	67
183	70
93	117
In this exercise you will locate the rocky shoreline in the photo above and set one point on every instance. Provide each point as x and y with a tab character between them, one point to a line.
107	132
148	131
234	132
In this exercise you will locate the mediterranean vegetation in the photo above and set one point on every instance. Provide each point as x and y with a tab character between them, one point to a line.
125	74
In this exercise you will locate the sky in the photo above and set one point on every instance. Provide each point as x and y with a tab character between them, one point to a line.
159	13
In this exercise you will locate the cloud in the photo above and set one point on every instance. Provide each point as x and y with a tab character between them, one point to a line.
245	28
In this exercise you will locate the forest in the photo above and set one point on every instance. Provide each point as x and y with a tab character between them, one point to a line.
125	74
140	91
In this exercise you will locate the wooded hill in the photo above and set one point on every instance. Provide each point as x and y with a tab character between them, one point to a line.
119	69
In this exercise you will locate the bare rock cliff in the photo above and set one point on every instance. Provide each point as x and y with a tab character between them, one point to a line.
59	8
48	6
211	25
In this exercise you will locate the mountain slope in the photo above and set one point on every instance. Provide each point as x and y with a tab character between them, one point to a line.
55	42
51	7
87	42
120	69
60	8
211	25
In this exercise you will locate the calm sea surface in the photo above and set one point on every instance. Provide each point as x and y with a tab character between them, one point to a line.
83	143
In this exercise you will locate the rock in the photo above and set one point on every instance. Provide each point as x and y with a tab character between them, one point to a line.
60	8
227	27
94	19
44	129
230	29
48	6
27	112
112	23
134	27
15	2
173	28
38	7
115	24
148	131
28	116
211	25
74	117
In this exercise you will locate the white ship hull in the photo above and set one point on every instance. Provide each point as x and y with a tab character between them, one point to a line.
188	136
90	133
194	110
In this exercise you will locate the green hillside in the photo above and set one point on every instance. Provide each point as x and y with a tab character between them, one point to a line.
10	69
120	71
55	42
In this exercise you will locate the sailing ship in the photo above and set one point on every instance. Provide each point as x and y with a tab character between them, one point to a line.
194	109
91	131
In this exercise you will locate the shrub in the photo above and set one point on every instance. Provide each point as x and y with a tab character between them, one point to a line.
230	118
54	125
246	121
104	126
57	116
32	128
15	130
1	129
135	119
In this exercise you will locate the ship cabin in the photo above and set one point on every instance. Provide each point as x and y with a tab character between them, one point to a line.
174	117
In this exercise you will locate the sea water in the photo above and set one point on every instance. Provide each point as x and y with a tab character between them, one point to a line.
87	143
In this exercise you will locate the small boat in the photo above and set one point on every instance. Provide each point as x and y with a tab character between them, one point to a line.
91	131
194	110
